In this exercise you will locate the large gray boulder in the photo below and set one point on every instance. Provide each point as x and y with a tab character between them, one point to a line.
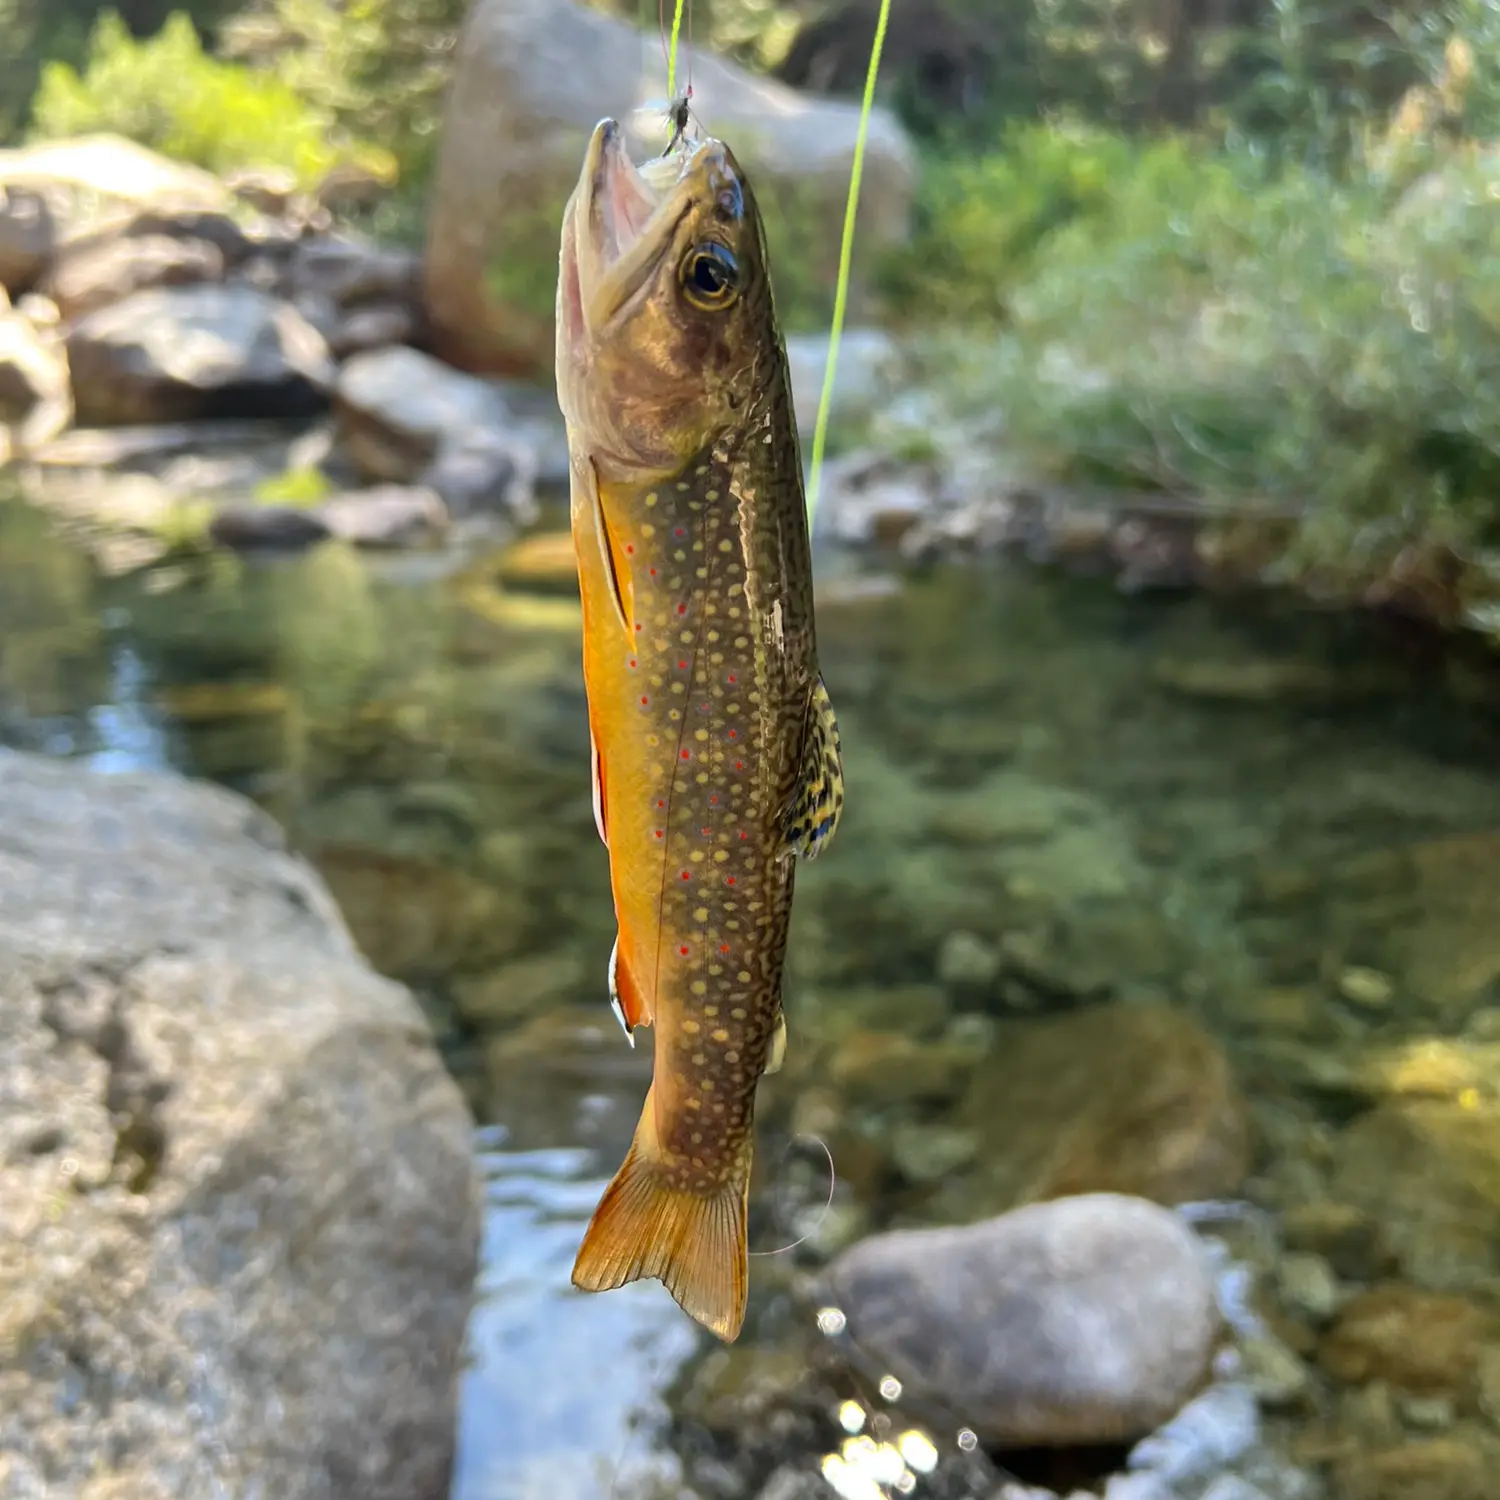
1090	1319
185	353
238	1208
531	80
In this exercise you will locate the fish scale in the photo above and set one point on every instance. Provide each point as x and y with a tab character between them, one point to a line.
715	750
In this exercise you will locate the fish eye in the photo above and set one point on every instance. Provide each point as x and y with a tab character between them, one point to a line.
710	276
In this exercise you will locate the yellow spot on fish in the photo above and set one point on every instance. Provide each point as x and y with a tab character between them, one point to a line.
698	987
648	529
700	734
696	856
651	498
719	1034
743	976
710	494
738	1013
710	1011
731	1057
713	635
700	914
741	641
726	545
699	1059
682	484
720	855
690	1028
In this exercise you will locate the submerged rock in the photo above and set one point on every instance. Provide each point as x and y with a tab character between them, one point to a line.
174	354
1086	1320
26	239
238	1210
1125	1098
35	402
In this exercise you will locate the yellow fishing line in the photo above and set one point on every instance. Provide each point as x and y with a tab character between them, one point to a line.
846	254
672	50
846	248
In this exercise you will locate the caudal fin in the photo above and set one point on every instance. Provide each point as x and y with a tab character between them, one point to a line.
695	1244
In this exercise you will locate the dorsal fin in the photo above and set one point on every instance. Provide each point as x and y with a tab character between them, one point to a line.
812	815
606	547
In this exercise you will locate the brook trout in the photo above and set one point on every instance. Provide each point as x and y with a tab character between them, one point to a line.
715	751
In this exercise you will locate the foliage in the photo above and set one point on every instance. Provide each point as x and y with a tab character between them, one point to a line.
168	94
1272	340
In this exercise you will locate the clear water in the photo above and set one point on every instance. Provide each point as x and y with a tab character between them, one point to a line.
1059	797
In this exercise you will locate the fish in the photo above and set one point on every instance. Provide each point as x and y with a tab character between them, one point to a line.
715	756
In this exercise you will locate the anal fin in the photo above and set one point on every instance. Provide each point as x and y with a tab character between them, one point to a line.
606	547
596	780
625	998
776	1047
813	813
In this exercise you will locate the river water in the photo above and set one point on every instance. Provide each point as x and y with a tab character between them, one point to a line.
1274	827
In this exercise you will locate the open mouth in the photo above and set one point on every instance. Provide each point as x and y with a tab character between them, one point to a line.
626	219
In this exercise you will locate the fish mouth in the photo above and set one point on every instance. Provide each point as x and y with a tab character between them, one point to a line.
625	219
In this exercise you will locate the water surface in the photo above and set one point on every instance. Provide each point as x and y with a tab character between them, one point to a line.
1059	798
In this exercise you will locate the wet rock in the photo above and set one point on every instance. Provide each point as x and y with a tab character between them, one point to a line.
872	498
238	1211
531	79
214	227
268	190
26	239
481	471
1369	989
929	1153
1427	1172
371	327
883	1069
396	406
92	276
35	403
1307	1287
387	515
1089	1319
1447	1468
349	270
1279	1379
1348	1237
184	353
966	962
1212	1433
1120	1098
251	528
1420	1342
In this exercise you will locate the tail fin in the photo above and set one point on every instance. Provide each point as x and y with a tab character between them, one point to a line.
644	1229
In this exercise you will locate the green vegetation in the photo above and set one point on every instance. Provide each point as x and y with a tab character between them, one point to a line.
1244	249
166	93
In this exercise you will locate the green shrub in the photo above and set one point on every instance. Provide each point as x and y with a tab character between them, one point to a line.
1271	340
168	94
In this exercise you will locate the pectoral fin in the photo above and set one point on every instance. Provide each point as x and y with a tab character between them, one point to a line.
813	814
625	999
607	556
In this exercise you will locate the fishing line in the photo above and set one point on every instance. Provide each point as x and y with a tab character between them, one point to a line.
827	1206
846	253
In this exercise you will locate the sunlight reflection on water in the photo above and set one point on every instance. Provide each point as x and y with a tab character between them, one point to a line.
558	1382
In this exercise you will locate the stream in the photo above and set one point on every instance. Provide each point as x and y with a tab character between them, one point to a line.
1277	826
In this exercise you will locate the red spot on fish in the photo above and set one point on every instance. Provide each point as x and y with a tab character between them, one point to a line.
734	734
732	677
729	880
683	950
723	947
644	700
652	572
632	661
682	609
682	666
687	754
630	549
739	765
714	800
743	834
638	627
661	802
681	531
707	832
685	875
659	833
